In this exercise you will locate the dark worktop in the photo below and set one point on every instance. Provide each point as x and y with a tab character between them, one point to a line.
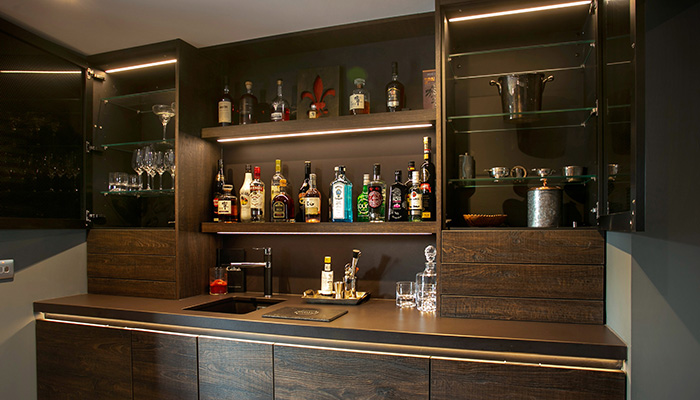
377	321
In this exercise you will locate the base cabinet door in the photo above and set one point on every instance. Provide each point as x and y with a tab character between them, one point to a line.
234	369
164	365
315	373
82	361
461	379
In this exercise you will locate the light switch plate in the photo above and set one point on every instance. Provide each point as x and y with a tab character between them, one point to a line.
7	269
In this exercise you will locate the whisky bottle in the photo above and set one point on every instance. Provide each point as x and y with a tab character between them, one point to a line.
312	201
282	205
247	105
225	108
359	99
228	206
341	195
302	191
376	195
244	194
279	108
415	199
427	175
257	197
398	206
276	179
395	94
218	189
362	201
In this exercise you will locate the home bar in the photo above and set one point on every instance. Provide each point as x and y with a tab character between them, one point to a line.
467	201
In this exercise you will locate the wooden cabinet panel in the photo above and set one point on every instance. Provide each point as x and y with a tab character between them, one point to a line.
234	369
311	373
125	266
458	379
131	287
82	362
524	246
524	280
164	366
132	241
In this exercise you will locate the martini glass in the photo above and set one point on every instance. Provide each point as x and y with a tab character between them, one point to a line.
164	112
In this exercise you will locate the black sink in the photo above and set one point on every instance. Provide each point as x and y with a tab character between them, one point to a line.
235	305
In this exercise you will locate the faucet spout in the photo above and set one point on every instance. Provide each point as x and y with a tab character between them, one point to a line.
267	264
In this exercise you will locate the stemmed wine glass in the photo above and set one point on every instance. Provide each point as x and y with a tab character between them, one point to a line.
169	163
164	112
149	164
137	165
159	166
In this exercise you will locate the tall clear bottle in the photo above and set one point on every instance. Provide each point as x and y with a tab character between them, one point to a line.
244	194
426	283
398	206
257	197
362	200
276	180
415	199
279	108
395	93
427	172
312	202
247	105
376	196
302	191
341	194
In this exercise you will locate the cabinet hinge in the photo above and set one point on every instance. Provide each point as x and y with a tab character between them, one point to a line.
89	147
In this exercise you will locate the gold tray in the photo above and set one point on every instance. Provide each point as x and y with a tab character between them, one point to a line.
313	297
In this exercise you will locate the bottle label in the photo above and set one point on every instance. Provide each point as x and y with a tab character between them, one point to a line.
415	201
425	187
225	112
245	200
312	205
338	202
279	211
396	198
357	102
224	207
276	116
312	114
362	205
375	198
392	97
256	198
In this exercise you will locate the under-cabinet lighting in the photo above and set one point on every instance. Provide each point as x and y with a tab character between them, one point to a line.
329	132
15	71
147	65
331	233
520	11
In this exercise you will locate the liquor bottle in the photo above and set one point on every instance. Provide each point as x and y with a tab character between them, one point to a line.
395	93
415	199
279	108
411	168
376	195
398	206
257	197
362	201
326	277
313	112
244	194
330	194
302	191
219	189
228	206
225	108
359	99
427	172
282	205
312	202
276	179
341	194
247	105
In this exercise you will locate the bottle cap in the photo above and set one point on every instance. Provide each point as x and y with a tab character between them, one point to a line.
359	81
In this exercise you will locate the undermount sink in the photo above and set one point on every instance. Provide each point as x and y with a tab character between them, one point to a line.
235	305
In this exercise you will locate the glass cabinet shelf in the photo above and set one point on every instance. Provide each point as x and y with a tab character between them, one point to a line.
545	119
131	146
140	193
527	181
142	102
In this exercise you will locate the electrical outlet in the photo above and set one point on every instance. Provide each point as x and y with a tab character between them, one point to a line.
7	269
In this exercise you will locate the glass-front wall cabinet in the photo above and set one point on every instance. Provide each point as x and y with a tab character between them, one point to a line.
522	92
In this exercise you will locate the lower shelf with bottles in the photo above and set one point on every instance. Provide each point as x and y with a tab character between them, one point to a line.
323	228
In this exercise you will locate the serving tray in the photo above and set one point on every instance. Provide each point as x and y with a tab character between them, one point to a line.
313	297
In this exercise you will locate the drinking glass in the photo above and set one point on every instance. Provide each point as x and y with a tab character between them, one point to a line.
164	112
137	165
112	185
405	294
169	162
426	297
149	165
159	166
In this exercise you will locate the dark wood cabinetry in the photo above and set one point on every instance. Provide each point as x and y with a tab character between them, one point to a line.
234	369
313	373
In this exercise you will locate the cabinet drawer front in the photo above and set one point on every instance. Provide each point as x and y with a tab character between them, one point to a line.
524	280
311	373
132	287
126	266
132	241
521	309
457	379
522	246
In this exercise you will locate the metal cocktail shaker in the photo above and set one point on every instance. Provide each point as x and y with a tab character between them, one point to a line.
544	207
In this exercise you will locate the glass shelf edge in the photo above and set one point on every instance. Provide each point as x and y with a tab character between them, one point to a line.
536	46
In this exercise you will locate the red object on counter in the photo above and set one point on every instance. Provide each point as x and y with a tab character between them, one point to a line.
218	286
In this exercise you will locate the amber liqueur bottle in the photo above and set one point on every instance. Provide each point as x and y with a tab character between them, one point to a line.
219	190
395	93
300	216
312	202
228	206
427	175
282	205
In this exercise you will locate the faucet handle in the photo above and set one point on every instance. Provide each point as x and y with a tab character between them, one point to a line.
267	250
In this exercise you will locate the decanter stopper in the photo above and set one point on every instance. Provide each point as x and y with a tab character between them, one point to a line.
430	254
